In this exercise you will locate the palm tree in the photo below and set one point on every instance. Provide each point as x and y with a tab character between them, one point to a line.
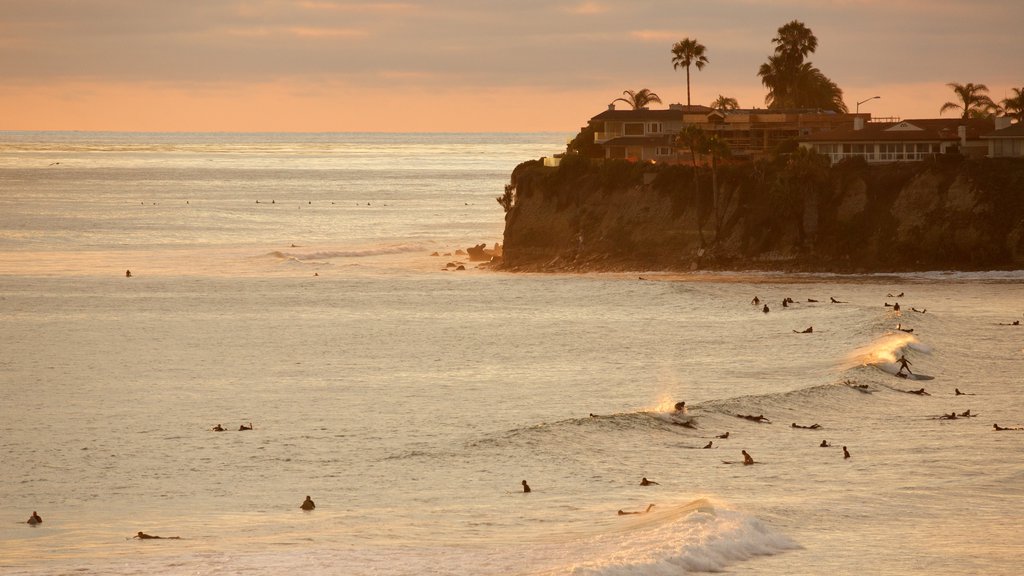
1014	105
686	52
972	101
725	103
793	83
795	42
640	98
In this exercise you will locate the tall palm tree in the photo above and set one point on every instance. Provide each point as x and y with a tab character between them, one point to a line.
792	82
795	42
972	101
640	98
1014	105
725	103
686	52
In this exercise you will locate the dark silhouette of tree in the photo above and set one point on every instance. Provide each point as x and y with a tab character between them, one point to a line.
717	149
1013	106
686	52
972	102
792	82
640	98
692	137
725	103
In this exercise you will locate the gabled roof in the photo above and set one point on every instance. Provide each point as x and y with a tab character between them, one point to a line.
1011	131
919	130
655	115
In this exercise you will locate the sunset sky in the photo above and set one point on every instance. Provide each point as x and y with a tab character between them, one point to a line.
465	65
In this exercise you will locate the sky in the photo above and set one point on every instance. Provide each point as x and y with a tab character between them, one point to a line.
466	65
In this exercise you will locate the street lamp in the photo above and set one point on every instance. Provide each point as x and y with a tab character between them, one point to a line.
863	101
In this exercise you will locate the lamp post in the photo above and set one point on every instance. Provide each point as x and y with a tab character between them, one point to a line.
863	101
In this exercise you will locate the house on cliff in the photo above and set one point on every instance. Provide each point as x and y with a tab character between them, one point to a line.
649	135
902	141
1007	141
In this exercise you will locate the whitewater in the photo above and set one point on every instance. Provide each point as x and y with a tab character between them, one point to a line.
289	281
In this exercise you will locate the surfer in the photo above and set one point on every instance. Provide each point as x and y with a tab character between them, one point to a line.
834	301
920	392
902	329
34	519
846	453
143	536
244	427
765	309
218	428
999	428
919	311
526	487
307	504
966	414
645	482
896	307
726	435
959	393
1014	323
680	406
755	301
950	416
747	458
624	513
807	330
708	445
752	418
825	444
127	273
812	300
904	364
785	302
814	426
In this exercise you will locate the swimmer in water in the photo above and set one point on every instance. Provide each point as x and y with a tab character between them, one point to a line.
645	482
825	444
307	504
526	487
649	506
765	309
34	519
747	458
143	536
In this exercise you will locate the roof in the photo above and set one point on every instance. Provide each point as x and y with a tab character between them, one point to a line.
643	115
1011	131
918	130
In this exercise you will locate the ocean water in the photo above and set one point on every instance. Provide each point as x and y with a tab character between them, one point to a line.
288	281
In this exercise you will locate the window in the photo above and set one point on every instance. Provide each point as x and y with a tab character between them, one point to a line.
654	128
633	129
664	151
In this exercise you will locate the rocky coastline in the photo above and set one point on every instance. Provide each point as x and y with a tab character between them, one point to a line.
783	215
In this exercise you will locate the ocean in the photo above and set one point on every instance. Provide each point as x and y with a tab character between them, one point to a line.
289	281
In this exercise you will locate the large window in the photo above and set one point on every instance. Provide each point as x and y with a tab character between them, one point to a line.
654	128
633	129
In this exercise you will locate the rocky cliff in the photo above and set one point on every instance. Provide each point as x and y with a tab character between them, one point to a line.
790	214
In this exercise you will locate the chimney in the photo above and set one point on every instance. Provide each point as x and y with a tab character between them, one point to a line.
961	131
611	106
1003	122
858	123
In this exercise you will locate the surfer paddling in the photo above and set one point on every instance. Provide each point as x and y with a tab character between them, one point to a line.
807	330
814	426
999	428
143	536
759	418
624	513
645	482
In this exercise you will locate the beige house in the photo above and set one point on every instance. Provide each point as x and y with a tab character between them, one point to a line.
1007	141
902	141
649	135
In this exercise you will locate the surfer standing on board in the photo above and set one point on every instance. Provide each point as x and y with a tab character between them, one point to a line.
904	365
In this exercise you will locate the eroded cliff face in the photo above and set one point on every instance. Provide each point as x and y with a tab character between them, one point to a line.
949	214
